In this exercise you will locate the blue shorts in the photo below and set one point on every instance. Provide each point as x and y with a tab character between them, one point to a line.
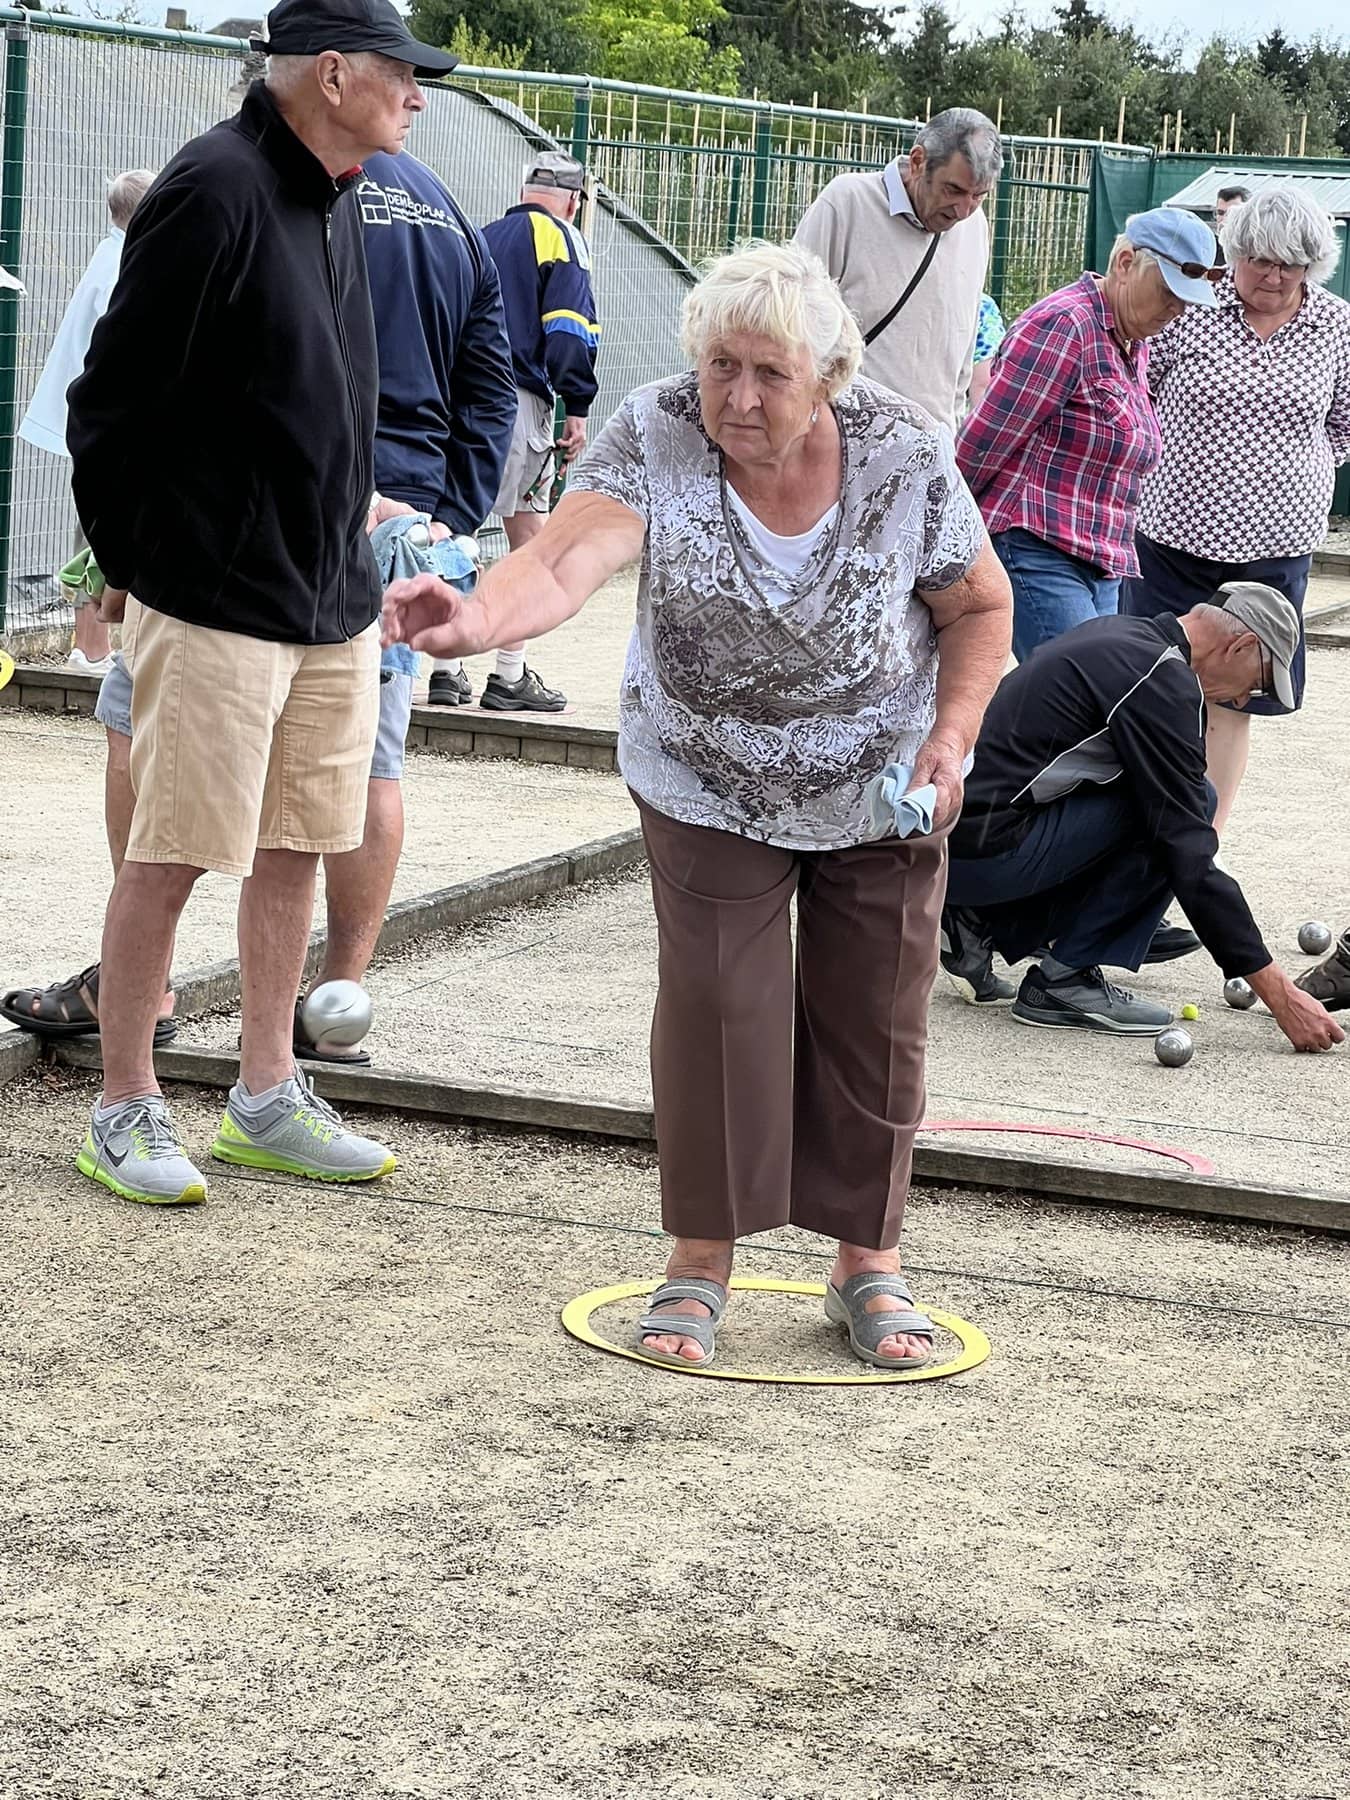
396	688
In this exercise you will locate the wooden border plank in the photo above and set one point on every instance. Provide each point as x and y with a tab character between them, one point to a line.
1092	1184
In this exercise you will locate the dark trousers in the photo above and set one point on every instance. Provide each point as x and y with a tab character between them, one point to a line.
790	1093
1085	882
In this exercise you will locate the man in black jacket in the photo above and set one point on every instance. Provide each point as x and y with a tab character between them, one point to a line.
238	361
1087	808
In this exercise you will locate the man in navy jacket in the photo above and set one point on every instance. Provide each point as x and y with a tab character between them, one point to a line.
545	270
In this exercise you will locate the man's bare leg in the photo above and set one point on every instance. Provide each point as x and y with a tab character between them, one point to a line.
519	529
119	802
276	909
359	883
91	634
138	934
1227	743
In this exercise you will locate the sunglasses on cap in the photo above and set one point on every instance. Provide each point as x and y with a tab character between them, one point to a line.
1193	271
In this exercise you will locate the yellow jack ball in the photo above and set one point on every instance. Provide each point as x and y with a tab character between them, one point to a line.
1190	1010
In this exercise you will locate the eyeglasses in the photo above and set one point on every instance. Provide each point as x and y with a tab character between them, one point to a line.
1262	265
1193	271
1266	691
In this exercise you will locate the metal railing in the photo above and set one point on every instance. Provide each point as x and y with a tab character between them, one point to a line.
676	178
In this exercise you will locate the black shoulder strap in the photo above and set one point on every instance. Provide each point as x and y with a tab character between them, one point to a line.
914	281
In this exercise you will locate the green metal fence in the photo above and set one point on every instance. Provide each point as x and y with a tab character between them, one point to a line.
674	179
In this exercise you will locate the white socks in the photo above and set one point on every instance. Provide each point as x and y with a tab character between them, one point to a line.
446	665
510	665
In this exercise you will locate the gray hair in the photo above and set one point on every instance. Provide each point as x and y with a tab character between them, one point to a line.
1126	242
961	131
125	193
1280	224
778	291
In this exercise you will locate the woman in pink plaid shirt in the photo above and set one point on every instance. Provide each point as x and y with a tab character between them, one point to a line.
1056	451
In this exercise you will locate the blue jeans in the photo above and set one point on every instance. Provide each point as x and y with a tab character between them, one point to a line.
1052	591
1085	881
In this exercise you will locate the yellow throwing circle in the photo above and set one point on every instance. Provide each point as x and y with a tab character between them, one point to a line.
6	667
577	1314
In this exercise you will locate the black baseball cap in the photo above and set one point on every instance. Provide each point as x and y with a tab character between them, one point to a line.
309	27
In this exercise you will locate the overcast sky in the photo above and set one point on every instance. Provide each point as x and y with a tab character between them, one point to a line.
1248	20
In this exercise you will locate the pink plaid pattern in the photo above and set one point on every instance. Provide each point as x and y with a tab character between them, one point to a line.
1062	440
1252	430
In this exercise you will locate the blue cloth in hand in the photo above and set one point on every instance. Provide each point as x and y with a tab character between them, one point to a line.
399	559
891	810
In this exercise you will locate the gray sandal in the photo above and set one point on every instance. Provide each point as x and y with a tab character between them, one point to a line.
665	1324
845	1306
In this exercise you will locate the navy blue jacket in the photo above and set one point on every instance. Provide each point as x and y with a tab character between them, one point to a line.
545	270
447	391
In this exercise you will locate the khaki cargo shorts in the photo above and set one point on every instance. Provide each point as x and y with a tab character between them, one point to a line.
239	745
528	475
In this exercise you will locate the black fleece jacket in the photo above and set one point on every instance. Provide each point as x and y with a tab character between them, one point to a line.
221	433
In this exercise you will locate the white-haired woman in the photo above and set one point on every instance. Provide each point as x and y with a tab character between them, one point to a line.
1056	450
817	601
1254	403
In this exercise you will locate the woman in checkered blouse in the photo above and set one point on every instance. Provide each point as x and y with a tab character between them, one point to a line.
1254	403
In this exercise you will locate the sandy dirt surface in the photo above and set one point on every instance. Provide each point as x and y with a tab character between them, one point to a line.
466	817
307	1494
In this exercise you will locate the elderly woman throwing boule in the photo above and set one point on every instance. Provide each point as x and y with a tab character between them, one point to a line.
820	624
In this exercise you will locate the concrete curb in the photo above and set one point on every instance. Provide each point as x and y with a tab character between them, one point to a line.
1194	1195
422	915
445	731
19	1050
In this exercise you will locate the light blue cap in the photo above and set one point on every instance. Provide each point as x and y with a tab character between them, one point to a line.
1176	236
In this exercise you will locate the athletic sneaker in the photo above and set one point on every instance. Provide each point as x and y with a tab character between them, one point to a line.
300	1134
133	1150
1171	941
449	687
1086	1001
968	960
1329	982
526	695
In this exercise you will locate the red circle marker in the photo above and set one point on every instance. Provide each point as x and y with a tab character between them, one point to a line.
1198	1165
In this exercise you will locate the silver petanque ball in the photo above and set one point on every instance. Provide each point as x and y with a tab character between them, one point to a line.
336	1013
1314	937
1174	1047
1239	993
419	536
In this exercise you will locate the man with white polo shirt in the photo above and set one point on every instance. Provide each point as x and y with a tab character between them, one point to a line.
909	248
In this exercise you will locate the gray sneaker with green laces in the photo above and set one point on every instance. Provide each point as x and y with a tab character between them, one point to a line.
299	1134
133	1150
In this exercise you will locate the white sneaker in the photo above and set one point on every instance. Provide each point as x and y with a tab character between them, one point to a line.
78	661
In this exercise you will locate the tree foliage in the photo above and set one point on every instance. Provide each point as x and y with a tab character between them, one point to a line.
912	57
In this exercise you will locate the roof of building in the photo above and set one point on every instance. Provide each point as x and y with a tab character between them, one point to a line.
236	28
1330	192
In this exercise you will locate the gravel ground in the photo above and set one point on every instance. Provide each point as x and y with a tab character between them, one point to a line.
307	1495
559	996
465	818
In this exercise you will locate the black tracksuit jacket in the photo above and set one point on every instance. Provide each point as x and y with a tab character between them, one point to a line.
1113	700
221	433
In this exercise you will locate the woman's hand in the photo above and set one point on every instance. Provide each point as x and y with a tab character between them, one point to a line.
941	760
428	614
